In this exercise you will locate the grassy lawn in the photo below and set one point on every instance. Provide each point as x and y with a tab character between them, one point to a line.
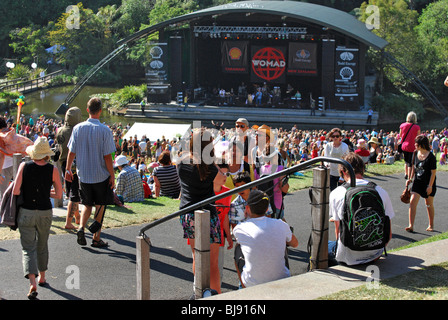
153	209
425	284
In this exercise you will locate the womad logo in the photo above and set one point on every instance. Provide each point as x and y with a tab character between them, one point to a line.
268	63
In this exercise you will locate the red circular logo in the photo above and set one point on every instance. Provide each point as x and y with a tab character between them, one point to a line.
268	63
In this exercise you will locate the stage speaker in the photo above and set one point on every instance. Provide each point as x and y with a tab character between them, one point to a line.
328	52
176	64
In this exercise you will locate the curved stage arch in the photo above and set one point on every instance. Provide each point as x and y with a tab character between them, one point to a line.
333	29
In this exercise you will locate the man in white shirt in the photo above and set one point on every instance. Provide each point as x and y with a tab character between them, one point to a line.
262	241
142	146
335	149
336	249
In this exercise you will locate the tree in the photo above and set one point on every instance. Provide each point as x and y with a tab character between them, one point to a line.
397	23
29	43
133	14
166	9
85	45
432	32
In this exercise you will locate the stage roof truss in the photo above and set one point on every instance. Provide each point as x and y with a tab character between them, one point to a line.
250	30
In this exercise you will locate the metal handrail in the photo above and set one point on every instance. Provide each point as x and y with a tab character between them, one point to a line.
36	81
285	172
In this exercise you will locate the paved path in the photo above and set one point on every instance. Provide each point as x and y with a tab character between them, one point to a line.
110	273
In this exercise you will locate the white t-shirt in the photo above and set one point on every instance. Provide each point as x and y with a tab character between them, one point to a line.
263	243
344	254
333	152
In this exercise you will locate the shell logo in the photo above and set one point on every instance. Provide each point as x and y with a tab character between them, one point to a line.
235	53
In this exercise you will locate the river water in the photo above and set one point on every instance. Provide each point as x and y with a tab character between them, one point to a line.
47	101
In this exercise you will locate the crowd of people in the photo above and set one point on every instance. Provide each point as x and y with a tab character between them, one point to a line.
213	161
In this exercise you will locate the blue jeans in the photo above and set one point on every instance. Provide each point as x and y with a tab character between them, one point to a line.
332	247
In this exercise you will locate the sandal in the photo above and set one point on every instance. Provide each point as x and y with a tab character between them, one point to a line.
99	244
81	239
32	295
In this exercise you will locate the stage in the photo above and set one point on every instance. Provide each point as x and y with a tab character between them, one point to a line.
278	117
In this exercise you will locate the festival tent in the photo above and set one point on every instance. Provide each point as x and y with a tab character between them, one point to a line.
154	131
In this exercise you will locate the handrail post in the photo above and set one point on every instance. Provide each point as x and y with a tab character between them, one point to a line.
320	194
201	252
16	160
143	268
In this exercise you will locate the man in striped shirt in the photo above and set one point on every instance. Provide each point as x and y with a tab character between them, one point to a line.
92	144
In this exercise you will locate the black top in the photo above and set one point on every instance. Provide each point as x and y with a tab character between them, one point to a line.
193	190
423	169
36	186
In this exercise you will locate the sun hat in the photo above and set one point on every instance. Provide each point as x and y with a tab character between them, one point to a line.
266	129
120	160
374	140
40	149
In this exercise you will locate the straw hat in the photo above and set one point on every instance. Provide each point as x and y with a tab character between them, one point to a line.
374	140
40	149
266	129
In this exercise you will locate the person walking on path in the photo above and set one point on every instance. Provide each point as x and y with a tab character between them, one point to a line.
34	182
408	131
423	171
92	144
72	118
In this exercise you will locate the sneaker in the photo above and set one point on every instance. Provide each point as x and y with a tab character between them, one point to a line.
81	237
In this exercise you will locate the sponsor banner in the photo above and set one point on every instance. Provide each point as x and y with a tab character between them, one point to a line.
268	64
157	69
346	74
234	56
302	59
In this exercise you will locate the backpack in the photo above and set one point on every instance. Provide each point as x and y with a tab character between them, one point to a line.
365	225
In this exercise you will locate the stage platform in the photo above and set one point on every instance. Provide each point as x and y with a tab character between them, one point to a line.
255	115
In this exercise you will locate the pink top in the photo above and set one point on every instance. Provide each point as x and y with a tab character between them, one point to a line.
409	144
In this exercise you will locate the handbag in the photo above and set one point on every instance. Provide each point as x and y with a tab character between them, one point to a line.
399	145
406	195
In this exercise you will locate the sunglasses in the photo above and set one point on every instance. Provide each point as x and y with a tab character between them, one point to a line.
240	126
336	136
224	173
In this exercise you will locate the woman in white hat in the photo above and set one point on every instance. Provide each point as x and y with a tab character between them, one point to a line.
34	182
